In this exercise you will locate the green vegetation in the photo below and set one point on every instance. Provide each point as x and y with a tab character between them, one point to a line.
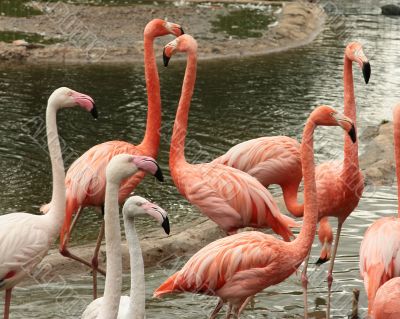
10	36
243	23
17	8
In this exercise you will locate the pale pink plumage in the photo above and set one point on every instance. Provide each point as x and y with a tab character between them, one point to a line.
387	301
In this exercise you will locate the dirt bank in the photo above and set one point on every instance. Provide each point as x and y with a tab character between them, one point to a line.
100	34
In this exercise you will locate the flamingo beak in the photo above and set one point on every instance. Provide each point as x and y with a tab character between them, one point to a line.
94	112
165	225
165	58
346	124
159	174
366	70
182	32
352	133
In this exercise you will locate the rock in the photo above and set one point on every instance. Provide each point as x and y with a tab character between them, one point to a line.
377	162
391	10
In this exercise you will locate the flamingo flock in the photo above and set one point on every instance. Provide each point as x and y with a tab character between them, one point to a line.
232	191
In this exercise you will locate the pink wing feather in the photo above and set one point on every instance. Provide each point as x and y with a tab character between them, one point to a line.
380	254
217	264
232	199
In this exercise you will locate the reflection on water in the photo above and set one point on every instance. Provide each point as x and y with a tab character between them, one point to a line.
234	101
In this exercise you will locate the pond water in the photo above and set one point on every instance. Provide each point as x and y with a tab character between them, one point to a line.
234	100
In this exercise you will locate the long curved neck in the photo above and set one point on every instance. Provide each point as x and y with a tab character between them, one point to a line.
304	240
290	193
113	286
177	150
396	129
151	140
137	302
58	198
350	148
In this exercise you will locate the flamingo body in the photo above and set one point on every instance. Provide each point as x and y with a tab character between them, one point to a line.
380	255
234	267
19	255
272	160
335	197
231	198
93	310
387	301
85	180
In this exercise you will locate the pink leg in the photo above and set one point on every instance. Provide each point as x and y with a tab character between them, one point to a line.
64	246
330	277
243	306
7	303
304	282
95	259
228	313
217	309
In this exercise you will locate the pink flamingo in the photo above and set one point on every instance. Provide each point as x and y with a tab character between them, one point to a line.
25	238
341	184
229	197
387	300
380	248
237	267
85	180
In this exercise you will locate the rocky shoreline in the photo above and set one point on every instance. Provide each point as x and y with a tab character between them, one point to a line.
378	164
99	34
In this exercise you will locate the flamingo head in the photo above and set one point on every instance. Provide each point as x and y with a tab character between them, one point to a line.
158	28
64	97
123	166
137	206
354	52
184	43
328	116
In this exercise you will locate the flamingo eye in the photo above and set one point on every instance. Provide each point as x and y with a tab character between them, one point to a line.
139	204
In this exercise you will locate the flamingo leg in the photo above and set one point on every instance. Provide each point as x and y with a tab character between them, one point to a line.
67	253
304	282
217	309
95	259
332	262
245	303
228	313
7	303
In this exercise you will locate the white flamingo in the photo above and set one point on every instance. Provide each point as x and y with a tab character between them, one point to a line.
112	305
25	238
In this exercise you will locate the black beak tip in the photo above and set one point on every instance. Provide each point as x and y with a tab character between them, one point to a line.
182	32
94	112
159	175
165	59
165	225
352	134
321	261
366	70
